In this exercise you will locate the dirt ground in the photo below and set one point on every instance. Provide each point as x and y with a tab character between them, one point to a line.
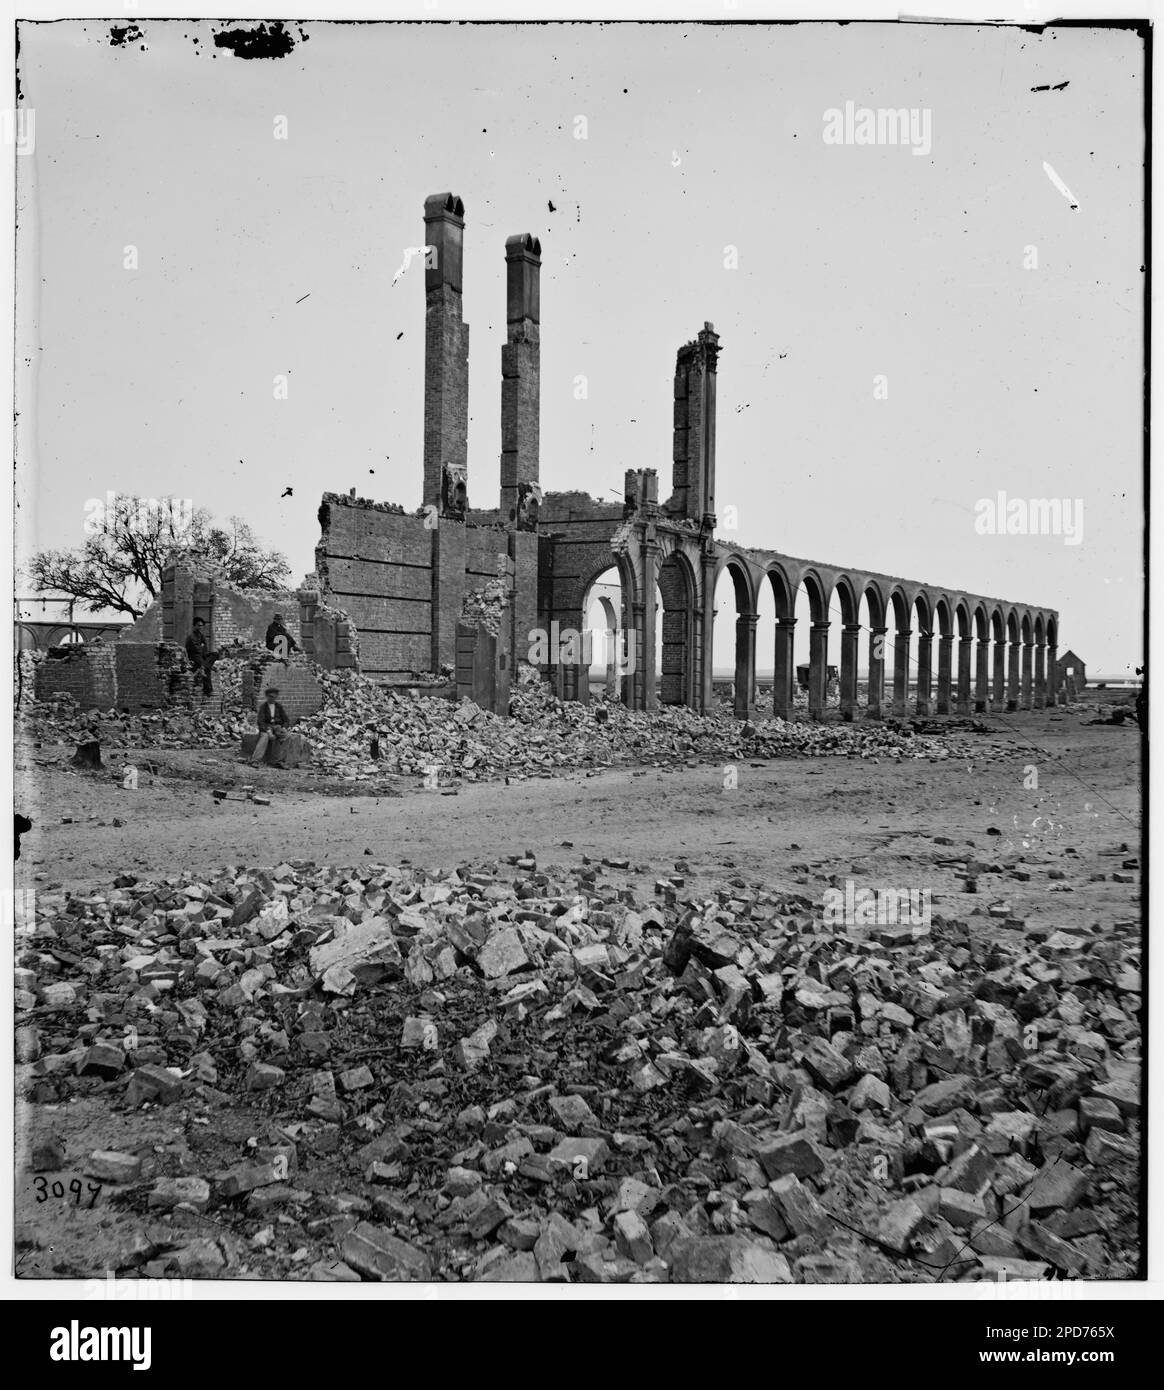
786	823
834	810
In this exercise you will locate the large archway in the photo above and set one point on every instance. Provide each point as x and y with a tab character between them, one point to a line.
733	593
921	652
676	646
873	606
811	642
847	602
783	664
897	641
608	644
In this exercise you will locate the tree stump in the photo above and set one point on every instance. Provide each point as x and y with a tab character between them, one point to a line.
88	755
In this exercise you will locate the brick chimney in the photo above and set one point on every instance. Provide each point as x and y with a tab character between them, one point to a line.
521	383
693	455
446	357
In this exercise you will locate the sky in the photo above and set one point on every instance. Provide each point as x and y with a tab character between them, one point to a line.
891	352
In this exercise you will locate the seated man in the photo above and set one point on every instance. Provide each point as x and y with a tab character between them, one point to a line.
279	639
273	724
201	658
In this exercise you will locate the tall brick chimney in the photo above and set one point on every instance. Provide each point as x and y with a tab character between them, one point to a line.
446	357
521	383
693	455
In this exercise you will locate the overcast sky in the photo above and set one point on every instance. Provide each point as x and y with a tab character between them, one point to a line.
260	257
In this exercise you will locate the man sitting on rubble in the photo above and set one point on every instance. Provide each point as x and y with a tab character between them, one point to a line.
273	725
277	630
202	659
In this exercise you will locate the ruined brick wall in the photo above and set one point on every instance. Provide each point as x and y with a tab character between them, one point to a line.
123	675
403	582
87	673
195	590
151	675
376	564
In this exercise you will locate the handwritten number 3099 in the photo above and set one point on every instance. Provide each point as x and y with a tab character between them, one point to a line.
76	1189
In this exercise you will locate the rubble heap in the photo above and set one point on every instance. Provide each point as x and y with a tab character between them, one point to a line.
545	735
505	1072
420	733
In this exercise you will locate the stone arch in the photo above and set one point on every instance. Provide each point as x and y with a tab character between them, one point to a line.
998	655
617	633
783	589
943	616
743	581
747	617
981	621
961	627
817	589
923	611
678	585
877	604
943	619
901	609
850	599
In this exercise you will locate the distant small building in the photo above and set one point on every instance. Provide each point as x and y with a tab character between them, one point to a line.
1067	667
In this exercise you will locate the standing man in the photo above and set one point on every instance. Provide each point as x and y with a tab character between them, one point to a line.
273	724
202	659
279	640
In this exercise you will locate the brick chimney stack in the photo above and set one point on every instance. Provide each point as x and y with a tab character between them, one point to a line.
446	357
693	455
521	383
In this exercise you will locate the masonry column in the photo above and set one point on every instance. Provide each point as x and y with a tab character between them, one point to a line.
1026	698
981	675
1040	675
745	703
945	668
446	352
1012	676
520	376
1053	672
965	656
998	695
901	670
650	581
850	645
925	648
876	672
818	673
782	668
707	672
693	450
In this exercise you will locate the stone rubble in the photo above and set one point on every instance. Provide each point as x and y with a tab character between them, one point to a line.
423	736
507	1072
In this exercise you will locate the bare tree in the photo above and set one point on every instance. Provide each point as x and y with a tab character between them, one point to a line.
119	567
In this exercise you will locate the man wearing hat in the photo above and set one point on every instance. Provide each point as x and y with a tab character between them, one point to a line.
277	630
273	723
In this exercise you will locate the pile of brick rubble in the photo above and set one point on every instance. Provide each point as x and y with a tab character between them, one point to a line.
511	1073
427	735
